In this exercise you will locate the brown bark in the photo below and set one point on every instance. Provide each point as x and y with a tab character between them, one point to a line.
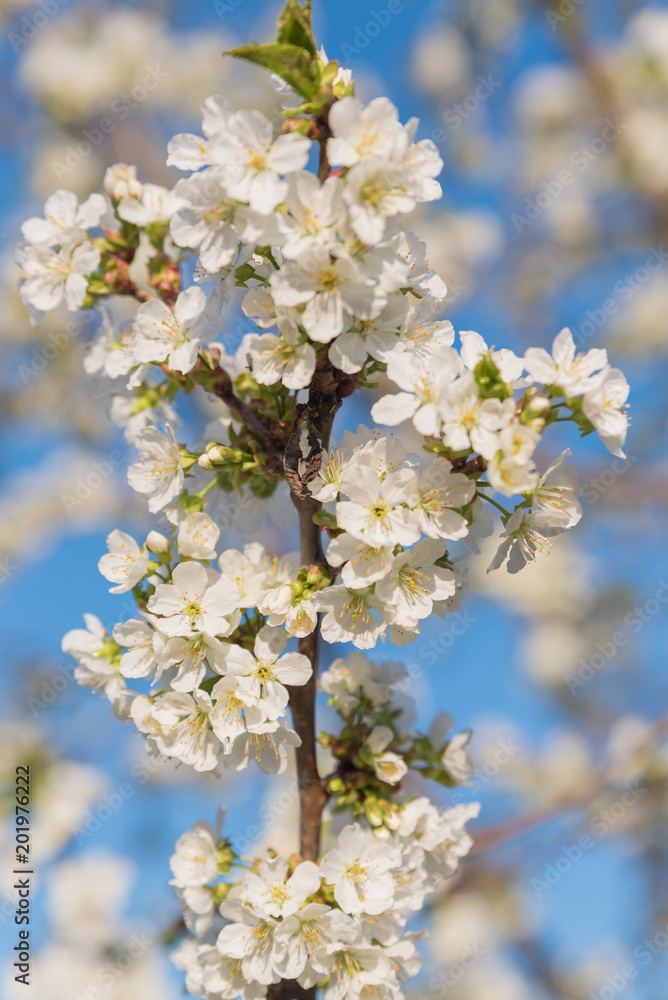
221	386
324	400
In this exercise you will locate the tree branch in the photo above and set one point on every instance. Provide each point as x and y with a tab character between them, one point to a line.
485	840
221	386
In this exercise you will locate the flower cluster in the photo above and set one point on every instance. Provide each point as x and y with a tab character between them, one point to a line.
333	291
339	923
377	744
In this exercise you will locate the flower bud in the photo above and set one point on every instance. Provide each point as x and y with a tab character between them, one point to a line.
539	405
157	543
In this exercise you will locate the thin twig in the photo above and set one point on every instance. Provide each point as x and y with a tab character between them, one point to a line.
486	840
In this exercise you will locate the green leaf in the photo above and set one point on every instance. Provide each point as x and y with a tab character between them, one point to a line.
294	26
292	63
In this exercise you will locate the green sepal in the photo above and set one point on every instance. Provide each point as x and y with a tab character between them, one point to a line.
579	418
489	381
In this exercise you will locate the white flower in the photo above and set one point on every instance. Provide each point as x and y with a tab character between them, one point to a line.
126	564
425	380
282	359
158	475
191	655
362	564
526	535
250	938
332	291
173	337
422	163
376	337
252	163
190	152
94	669
250	572
511	470
361	973
198	536
360	132
558	490
183	731
456	761
228	717
268	749
48	277
469	421
565	368
263	674
376	513
360	872
474	349
120	181
153	203
222	976
327	484
346	678
65	220
196	601
315	211
414	583
143	645
210	220
440	490
388	766
303	941
375	192
272	893
420	275
300	619
194	862
603	405
352	616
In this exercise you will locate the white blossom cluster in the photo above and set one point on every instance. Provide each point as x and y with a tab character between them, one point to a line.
335	291
216	698
340	923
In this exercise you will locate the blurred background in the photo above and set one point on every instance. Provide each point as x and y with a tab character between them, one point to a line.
552	120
